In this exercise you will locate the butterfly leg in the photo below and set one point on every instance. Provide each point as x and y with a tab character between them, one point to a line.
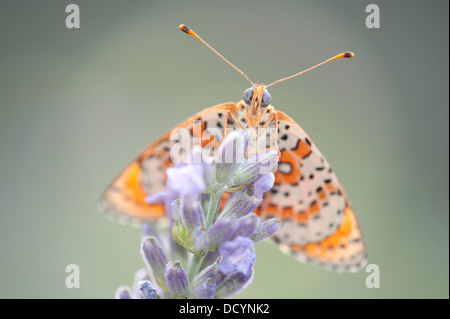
273	116
225	122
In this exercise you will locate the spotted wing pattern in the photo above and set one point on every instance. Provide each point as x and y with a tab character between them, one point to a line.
318	222
145	175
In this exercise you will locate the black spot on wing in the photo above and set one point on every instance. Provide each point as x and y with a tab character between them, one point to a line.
307	141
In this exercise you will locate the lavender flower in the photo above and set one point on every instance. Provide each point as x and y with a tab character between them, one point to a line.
207	252
176	279
234	284
147	290
155	258
237	256
206	290
248	199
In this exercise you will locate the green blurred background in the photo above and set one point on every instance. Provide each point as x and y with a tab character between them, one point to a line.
77	104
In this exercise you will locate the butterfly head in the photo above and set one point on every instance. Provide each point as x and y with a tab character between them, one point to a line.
256	99
262	97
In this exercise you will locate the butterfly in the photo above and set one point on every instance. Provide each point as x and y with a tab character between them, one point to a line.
318	223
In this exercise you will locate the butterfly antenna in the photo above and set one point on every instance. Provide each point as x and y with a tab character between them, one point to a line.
339	56
185	29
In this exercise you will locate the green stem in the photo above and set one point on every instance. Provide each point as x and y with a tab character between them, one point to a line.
194	266
213	208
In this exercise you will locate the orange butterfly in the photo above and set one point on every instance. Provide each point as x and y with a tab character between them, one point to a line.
318	223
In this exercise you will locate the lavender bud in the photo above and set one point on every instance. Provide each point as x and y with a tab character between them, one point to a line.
266	229
248	171
123	292
192	215
235	283
221	231
154	256
176	279
248	199
206	290
247	225
240	204
146	289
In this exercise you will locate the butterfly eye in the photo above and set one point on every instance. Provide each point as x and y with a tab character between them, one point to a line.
266	99
248	95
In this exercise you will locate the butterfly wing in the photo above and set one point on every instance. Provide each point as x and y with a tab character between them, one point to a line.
145	175
318	222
